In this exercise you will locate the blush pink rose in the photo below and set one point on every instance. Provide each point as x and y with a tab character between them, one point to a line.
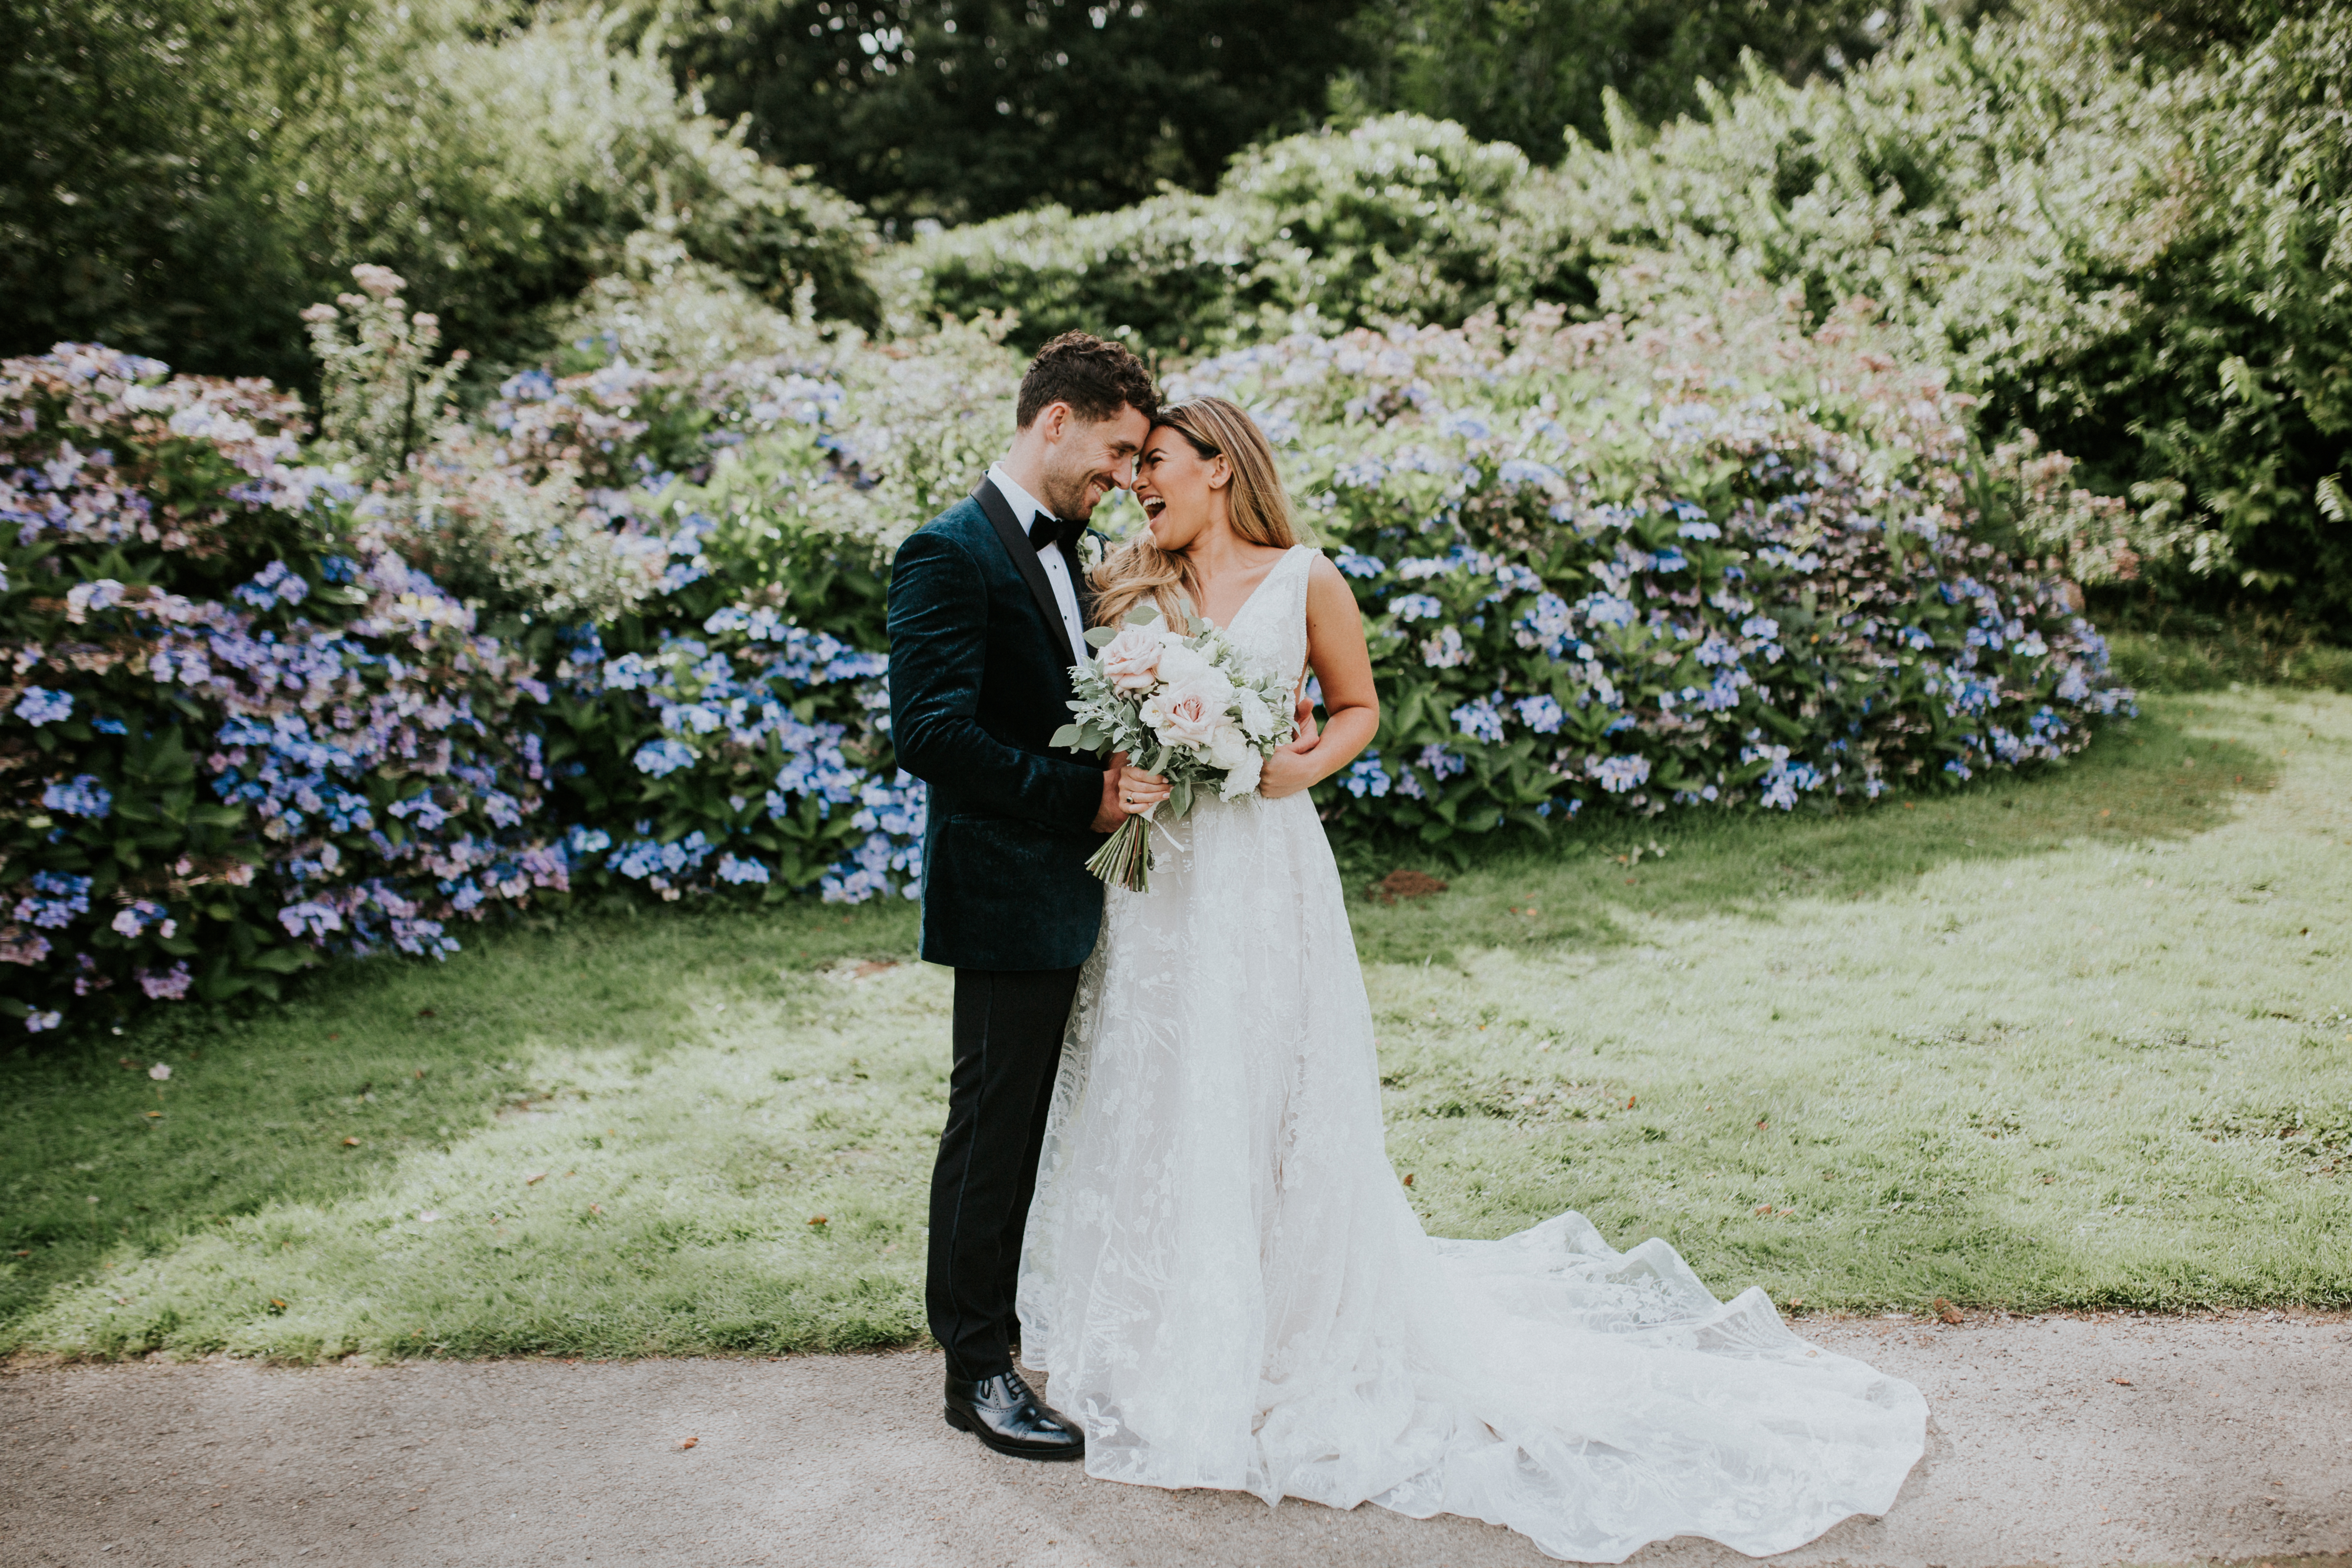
1189	713
1131	660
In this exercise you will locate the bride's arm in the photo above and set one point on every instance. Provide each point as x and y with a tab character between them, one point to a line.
1336	651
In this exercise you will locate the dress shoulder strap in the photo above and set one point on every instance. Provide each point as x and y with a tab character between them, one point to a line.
1299	564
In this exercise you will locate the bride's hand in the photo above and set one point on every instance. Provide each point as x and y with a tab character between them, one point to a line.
1287	771
1139	791
1307	736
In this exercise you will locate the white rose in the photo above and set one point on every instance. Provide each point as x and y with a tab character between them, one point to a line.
1243	778
1259	718
1179	665
1228	748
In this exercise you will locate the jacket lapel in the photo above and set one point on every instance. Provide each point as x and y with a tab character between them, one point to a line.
1024	561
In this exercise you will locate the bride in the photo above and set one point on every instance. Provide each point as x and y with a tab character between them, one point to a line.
1221	1276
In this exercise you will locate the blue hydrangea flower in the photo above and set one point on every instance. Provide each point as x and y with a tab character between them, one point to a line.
1541	713
1604	609
663	757
1620	773
1481	720
1441	763
737	871
56	897
39	705
1365	776
83	797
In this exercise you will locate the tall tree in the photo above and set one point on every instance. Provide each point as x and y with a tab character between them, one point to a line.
953	110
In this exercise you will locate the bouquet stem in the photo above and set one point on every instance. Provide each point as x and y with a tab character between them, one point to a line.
1125	857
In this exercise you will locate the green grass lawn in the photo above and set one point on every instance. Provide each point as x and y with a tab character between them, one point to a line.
2080	1040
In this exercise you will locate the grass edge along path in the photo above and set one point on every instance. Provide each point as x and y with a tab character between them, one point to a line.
2078	1041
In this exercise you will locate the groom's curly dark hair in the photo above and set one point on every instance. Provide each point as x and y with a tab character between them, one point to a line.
1094	376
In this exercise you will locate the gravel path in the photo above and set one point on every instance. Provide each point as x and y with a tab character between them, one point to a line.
2055	1440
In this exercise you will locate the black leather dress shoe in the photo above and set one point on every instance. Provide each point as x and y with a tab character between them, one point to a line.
1003	1413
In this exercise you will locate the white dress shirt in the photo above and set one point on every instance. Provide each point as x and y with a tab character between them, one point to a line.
1056	562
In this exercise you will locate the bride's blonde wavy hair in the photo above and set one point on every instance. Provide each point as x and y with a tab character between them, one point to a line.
1140	571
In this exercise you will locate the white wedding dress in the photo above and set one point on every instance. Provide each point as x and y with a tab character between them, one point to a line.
1227	1287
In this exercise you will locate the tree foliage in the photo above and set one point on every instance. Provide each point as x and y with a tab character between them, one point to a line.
953	110
1525	70
183	175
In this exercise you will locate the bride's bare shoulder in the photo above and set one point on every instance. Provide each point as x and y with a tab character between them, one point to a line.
1328	593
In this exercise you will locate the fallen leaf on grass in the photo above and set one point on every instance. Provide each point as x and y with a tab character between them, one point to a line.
595	1208
350	1143
1630	1099
1408	1180
534	1179
1949	1312
818	1219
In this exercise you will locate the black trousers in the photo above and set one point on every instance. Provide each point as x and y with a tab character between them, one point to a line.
1008	1045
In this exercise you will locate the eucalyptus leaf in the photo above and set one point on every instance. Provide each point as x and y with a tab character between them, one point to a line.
1100	637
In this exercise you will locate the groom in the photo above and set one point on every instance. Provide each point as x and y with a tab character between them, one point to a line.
988	611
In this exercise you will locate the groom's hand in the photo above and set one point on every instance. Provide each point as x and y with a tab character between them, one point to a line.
1108	813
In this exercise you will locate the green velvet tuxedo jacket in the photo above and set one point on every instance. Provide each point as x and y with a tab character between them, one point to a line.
980	663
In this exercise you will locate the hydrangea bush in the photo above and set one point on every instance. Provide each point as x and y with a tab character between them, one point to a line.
1717	564
231	735
265	702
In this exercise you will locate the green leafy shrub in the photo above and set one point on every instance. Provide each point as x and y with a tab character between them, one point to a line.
2138	259
1400	217
187	176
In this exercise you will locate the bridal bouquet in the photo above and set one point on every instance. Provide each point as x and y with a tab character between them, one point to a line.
1181	704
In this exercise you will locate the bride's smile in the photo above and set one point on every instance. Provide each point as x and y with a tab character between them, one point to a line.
1180	489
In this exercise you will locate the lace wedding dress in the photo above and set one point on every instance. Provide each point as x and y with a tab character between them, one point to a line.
1228	1289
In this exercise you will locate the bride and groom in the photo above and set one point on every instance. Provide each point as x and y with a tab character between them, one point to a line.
1164	1174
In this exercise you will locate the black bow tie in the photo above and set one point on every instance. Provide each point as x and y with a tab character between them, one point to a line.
1045	529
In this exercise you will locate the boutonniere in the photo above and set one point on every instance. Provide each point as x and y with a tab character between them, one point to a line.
1094	547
